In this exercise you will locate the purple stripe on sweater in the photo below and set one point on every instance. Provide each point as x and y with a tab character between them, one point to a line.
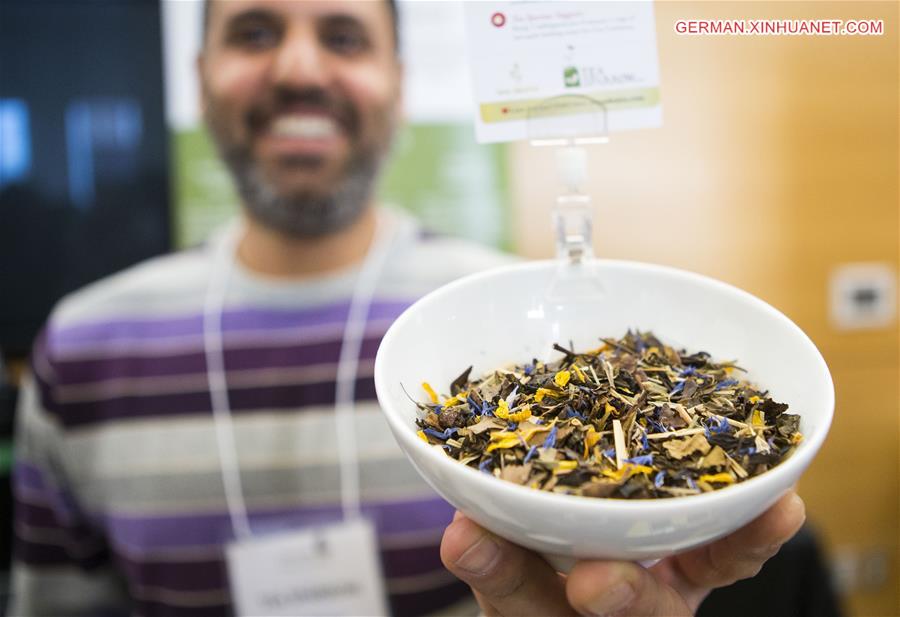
287	399
149	608
77	534
29	477
181	575
428	601
244	358
236	320
211	573
411	561
60	504
36	554
149	533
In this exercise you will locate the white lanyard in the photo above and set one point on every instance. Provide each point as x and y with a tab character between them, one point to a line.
351	343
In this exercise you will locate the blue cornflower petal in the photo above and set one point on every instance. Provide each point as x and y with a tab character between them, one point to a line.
550	442
483	466
658	479
529	369
726	383
645	443
442	434
678	388
689	371
646	459
473	406
571	413
531	452
611	452
656	426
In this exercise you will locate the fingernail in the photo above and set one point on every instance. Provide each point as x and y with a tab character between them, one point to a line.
478	558
618	597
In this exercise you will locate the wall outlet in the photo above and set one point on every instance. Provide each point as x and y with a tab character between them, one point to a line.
863	296
856	569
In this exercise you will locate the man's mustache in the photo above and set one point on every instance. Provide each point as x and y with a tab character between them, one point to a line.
317	100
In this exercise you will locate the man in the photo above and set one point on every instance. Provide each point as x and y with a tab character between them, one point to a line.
124	498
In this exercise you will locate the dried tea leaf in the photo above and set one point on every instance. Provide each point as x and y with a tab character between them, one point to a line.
715	458
516	473
459	384
681	448
485	424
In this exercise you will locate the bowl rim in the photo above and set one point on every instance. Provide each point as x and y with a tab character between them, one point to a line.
795	463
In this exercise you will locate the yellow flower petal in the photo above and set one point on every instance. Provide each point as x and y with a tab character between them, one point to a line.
722	478
758	419
562	378
521	415
427	387
590	440
502	410
754	400
566	465
509	442
579	373
423	436
455	399
627	470
530	432
796	438
542	392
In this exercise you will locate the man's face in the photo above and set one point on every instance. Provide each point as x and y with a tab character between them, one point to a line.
302	98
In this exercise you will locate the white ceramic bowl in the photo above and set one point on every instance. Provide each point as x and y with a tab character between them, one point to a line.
515	313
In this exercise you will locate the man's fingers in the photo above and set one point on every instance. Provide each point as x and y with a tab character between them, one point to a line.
744	552
512	580
621	588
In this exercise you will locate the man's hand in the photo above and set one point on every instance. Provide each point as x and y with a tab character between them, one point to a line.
512	581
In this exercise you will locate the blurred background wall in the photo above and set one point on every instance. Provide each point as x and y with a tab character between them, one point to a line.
776	170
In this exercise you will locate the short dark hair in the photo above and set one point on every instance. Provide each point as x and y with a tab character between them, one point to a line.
392	6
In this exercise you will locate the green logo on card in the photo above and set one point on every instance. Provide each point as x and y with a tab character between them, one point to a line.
571	77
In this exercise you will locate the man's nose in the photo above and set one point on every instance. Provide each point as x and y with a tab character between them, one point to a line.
300	62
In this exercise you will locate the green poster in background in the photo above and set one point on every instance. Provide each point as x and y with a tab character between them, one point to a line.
438	172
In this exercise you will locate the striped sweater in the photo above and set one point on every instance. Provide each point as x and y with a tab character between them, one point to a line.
119	495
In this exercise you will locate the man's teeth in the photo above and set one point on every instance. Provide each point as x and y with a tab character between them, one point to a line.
308	127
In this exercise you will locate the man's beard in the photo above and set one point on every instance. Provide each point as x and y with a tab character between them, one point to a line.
303	213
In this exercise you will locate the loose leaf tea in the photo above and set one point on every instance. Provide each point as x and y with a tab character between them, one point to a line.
632	419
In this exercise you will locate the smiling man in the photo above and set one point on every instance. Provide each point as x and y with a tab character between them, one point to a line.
122	498
189	402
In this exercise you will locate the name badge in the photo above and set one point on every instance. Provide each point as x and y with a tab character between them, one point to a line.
328	570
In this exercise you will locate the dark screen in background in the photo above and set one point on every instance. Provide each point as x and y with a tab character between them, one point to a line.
83	151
